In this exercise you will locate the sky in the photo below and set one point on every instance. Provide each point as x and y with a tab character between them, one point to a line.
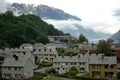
98	14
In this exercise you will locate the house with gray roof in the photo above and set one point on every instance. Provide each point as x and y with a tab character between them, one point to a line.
82	62
44	52
19	64
27	46
103	67
63	63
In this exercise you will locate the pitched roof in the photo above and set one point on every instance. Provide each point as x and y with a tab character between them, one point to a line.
21	61
70	59
103	60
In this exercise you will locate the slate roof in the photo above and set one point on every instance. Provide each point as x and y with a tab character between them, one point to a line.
105	60
21	61
70	59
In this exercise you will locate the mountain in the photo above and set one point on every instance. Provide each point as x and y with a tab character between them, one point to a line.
61	20
116	37
15	31
43	11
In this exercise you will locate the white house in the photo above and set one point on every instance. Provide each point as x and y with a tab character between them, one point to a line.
44	52
27	46
63	63
19	64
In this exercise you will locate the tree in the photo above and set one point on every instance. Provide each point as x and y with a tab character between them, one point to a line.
82	38
118	75
73	71
16	30
104	47
52	71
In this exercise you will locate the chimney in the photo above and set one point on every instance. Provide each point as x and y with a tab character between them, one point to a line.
55	56
78	56
70	55
102	56
62	55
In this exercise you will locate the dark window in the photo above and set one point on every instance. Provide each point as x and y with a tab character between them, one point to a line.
83	63
58	68
112	66
93	66
9	68
50	50
66	63
82	68
45	49
71	63
15	68
106	66
74	63
39	50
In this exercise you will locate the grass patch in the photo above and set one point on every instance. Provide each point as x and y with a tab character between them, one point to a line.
44	63
52	78
86	75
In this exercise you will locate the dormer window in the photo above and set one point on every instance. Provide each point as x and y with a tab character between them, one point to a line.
24	53
39	50
45	49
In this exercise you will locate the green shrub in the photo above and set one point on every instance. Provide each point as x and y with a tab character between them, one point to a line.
118	75
44	63
40	74
37	77
51	71
1	58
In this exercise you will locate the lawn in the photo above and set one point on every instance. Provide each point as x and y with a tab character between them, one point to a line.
86	75
52	78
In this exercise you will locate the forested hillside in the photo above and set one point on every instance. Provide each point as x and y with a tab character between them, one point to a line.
24	29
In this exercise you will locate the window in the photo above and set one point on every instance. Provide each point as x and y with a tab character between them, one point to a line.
80	63
71	63
58	68
7	75
39	50
15	68
45	49
93	66
111	66
106	66
83	63
96	73
82	68
66	63
98	66
9	68
19	68
74	63
50	50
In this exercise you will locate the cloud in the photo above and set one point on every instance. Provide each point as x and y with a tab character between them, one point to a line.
117	14
2	6
107	28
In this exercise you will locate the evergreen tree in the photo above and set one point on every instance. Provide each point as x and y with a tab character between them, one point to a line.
82	38
104	47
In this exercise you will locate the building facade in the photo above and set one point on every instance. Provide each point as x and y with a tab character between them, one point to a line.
103	67
44	52
19	64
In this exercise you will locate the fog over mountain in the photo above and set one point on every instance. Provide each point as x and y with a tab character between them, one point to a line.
116	36
61	20
2	6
